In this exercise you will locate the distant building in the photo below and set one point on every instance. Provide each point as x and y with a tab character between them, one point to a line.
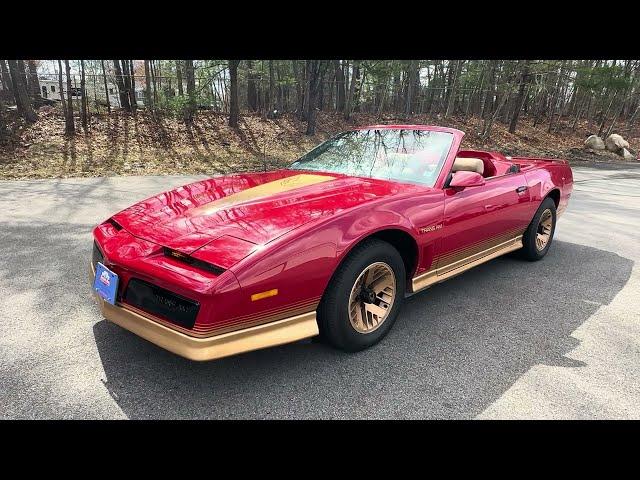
50	89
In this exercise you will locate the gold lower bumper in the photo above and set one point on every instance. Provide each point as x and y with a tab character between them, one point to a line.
262	336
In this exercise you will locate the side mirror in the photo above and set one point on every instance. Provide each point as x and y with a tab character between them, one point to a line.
464	179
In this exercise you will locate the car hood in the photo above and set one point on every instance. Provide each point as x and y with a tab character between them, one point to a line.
253	208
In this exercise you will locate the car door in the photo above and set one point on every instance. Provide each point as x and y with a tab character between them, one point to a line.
479	218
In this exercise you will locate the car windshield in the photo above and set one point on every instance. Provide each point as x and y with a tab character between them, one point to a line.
407	155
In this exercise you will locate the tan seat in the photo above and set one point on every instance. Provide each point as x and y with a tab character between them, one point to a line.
468	165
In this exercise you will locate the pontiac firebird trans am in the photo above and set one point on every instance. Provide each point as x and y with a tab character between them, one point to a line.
329	246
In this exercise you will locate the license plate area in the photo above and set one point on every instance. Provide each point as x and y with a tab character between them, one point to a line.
105	283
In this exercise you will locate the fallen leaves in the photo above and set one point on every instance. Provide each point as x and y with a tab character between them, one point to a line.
125	144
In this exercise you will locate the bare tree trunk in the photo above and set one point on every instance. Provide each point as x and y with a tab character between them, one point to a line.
6	77
152	68
411	93
452	89
252	92
191	89
280	90
148	97
606	114
492	117
633	118
271	100
488	97
321	89
124	97
61	88
315	68
69	124
3	125
615	119
330	90
340	87
132	92
233	94
299	76
34	83
23	71
178	76
83	90
524	79
20	93
127	78
554	100
106	90
355	75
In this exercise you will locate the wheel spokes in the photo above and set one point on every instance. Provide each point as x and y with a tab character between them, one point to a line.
372	297
543	232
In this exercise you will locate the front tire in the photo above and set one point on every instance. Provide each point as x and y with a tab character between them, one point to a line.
363	299
539	235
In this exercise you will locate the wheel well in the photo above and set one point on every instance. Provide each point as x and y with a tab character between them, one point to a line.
404	244
555	196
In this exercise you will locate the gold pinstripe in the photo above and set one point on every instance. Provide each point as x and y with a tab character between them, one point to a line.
261	191
451	268
463	252
233	324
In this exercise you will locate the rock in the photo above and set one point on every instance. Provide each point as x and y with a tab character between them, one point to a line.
594	142
628	156
615	143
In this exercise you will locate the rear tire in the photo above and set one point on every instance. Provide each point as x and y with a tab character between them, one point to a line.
362	301
539	235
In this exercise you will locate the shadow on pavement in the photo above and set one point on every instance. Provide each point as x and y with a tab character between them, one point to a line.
454	350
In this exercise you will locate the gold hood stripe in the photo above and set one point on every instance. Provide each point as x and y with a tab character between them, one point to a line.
261	191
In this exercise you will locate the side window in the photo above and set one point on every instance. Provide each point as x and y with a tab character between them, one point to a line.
53	89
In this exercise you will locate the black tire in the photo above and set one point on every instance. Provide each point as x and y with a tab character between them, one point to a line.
531	250
333	313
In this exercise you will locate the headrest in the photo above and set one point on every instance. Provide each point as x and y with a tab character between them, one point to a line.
468	165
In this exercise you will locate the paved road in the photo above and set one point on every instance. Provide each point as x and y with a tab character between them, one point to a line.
510	339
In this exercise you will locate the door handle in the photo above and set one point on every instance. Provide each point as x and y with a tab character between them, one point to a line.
522	189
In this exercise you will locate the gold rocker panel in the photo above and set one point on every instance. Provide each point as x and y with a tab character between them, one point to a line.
441	274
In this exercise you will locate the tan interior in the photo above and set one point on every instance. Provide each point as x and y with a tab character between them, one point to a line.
468	165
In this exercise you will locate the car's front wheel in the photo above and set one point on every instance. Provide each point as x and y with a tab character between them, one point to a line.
363	299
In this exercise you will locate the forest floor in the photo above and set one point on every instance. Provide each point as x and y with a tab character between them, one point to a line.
124	144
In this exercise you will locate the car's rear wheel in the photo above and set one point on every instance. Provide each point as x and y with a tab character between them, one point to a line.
363	299
539	235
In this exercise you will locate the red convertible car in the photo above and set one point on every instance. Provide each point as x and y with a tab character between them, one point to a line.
329	246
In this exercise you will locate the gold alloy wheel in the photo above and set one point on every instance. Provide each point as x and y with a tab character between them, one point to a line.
543	234
372	297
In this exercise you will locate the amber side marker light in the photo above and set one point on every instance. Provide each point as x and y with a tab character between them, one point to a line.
261	295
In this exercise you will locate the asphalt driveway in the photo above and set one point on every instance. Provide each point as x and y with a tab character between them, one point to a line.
558	338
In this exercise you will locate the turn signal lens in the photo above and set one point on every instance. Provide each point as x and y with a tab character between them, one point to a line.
261	295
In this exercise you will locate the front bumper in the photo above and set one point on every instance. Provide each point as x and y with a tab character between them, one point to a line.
217	346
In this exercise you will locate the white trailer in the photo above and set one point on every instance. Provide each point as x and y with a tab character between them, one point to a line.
50	89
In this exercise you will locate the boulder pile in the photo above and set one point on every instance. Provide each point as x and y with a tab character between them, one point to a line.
613	143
